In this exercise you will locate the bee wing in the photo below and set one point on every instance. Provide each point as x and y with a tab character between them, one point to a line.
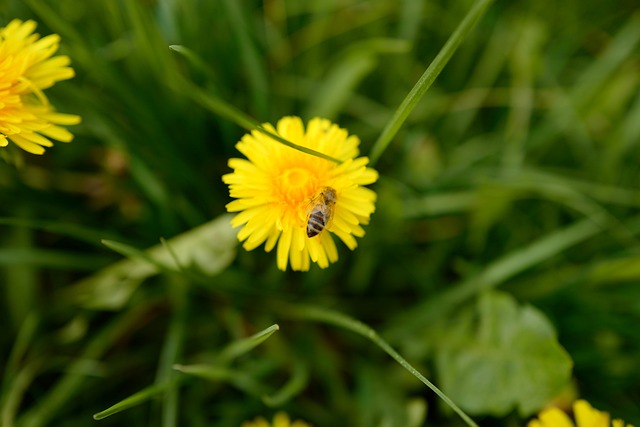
328	211
314	201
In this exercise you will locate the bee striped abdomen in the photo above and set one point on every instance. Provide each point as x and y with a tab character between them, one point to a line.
320	211
316	223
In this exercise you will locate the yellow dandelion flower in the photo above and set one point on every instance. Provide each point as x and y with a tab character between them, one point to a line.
585	416
279	190
279	420
27	67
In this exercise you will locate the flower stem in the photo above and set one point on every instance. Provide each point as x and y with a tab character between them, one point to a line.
427	79
346	322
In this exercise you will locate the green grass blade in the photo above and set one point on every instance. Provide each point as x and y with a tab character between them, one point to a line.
172	350
20	299
231	113
136	254
238	379
74	231
240	347
71	382
353	325
21	380
23	339
252	62
295	385
352	66
33	258
427	79
16	377
601	70
135	399
439	204
495	274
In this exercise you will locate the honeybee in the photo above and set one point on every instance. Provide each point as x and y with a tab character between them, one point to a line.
320	210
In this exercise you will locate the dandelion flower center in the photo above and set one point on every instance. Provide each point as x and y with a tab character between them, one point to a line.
275	185
295	185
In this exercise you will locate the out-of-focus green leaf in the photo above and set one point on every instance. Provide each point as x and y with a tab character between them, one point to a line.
208	249
500	356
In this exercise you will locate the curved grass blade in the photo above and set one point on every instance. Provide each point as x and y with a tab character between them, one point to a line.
240	347
295	385
70	383
238	379
231	113
353	325
17	378
427	79
136	399
21	381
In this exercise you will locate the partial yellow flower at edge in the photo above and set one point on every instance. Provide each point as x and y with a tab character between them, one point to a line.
279	420
27	68
275	186
585	416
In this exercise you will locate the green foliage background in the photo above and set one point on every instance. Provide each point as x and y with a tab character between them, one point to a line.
503	260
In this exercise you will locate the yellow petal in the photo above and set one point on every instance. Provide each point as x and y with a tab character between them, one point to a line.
62	119
587	416
35	138
347	239
554	417
284	244
329	246
27	146
271	240
57	133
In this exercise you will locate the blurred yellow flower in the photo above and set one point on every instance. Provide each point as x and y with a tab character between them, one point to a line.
279	420
584	414
27	67
279	190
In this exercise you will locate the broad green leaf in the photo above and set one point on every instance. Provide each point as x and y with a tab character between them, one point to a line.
500	356
208	249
